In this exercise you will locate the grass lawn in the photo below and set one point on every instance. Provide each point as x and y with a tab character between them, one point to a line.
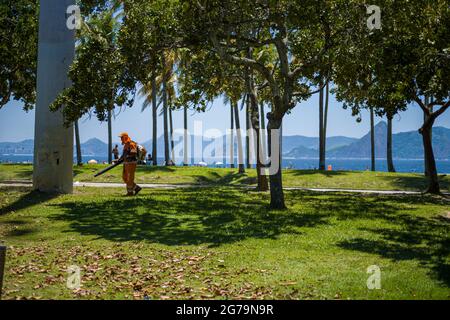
217	176
223	243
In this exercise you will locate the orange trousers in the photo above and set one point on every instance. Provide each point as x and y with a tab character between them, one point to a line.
129	170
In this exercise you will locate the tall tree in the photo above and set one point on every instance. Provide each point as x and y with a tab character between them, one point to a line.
172	146
402	63
231	134
290	28
240	149
165	117
321	130
372	139
325	120
154	121
185	137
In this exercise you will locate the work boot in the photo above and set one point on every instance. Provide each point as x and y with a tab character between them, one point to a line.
137	189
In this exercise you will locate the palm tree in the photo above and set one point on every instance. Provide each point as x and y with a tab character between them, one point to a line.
325	119
263	130
232	135
150	92
239	137
172	146
247	136
154	121
372	138
321	153
185	137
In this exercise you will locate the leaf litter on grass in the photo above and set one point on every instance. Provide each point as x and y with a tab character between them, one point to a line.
123	272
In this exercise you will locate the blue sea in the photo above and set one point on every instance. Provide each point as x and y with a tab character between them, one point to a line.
403	165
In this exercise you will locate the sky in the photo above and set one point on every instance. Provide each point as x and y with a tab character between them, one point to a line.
17	125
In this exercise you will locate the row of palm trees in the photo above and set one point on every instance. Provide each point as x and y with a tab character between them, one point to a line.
166	84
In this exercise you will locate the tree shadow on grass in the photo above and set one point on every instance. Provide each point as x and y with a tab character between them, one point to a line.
423	239
151	169
230	178
325	173
29	199
215	217
184	217
417	182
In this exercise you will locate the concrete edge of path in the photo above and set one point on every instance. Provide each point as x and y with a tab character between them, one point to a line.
179	186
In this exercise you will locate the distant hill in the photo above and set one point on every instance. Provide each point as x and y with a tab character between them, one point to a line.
292	142
23	147
406	145
361	147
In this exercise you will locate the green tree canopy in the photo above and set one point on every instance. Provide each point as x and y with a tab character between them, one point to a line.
18	51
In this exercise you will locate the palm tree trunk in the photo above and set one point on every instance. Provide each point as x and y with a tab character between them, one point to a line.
372	139
247	136
172	145
239	139
155	122
263	132
165	107
232	135
185	140
78	145
321	151
390	162
325	121
109	137
256	136
425	164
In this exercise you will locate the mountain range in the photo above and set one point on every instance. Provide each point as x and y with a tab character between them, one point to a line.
406	145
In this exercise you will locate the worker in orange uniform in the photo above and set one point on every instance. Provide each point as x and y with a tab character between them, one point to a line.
129	156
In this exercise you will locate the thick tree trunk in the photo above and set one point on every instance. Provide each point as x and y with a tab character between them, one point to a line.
425	117
231	135
433	181
53	142
172	145
109	137
321	118
390	162
372	139
240	149
276	181
78	145
155	122
185	140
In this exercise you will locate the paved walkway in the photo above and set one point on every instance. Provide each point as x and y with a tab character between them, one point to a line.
179	186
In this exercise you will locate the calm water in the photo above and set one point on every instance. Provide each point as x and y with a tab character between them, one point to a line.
337	164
